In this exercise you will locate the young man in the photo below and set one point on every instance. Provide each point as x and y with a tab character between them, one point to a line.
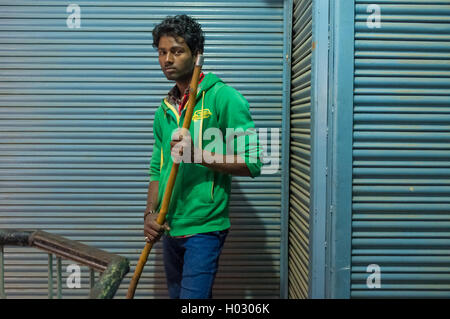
197	222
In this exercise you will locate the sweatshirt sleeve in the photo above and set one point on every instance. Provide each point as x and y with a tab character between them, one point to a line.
237	127
156	161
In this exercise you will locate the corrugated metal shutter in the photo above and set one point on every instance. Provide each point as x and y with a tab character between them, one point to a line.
401	182
300	164
77	108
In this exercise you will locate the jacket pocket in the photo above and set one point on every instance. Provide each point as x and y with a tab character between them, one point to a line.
198	185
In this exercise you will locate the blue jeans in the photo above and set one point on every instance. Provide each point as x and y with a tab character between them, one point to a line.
191	264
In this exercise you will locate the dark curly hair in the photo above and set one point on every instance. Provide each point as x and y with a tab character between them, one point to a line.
184	26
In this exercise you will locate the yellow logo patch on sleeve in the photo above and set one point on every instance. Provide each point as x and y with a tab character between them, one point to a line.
198	115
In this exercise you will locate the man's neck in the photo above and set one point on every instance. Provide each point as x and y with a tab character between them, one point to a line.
182	86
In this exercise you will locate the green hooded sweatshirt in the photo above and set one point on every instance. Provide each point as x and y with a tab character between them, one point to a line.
200	197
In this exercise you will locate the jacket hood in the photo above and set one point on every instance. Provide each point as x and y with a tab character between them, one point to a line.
208	82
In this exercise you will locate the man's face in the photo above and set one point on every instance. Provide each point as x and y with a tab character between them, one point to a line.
175	58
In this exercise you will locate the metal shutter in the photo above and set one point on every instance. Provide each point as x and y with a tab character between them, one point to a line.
401	168
76	114
300	151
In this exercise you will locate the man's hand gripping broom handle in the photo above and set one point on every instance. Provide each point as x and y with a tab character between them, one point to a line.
172	177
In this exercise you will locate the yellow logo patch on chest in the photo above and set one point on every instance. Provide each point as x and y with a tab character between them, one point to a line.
198	115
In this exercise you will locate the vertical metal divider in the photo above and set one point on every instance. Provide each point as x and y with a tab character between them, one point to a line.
342	29
319	154
285	146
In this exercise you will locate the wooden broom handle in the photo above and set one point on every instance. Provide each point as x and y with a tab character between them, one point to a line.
172	177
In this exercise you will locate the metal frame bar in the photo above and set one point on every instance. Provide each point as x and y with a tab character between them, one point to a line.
285	149
113	267
340	149
50	276
2	273
58	278
319	135
91	278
